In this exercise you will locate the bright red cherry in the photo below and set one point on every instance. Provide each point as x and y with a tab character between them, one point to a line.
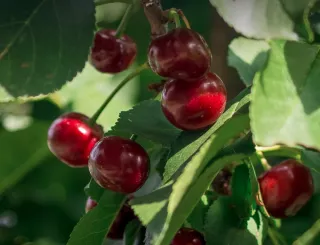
71	138
110	54
286	188
119	164
181	54
187	236
124	216
194	105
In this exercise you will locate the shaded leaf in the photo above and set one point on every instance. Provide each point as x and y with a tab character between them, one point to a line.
93	226
32	149
93	190
131	232
178	207
242	192
248	57
147	120
289	87
223	227
42	46
311	159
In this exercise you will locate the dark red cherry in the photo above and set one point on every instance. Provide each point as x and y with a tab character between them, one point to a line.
90	204
181	54
124	216
110	54
119	164
187	236
286	188
71	138
221	183
194	105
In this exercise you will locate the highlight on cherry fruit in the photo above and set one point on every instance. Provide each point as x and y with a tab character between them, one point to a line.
159	122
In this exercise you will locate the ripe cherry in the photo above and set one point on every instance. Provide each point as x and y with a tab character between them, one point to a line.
110	54
71	138
221	183
124	216
286	188
181	54
187	236
119	164
194	105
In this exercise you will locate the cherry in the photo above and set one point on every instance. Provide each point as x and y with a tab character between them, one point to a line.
117	229
221	183
110	54
124	216
119	164
71	138
194	105
187	236
181	54
286	188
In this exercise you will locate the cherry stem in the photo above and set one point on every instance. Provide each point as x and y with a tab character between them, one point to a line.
266	166
184	18
273	236
116	90
280	151
173	15
309	235
122	26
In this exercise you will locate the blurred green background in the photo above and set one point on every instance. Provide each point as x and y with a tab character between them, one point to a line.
42	199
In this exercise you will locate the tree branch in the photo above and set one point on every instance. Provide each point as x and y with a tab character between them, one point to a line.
155	16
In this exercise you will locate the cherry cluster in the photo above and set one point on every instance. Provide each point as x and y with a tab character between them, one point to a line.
193	98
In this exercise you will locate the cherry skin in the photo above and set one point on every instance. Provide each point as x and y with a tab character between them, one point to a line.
181	54
110	54
124	216
71	138
119	164
221	183
194	105
286	188
187	236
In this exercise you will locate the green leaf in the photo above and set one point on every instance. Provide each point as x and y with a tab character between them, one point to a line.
44	43
196	218
247	56
131	232
21	151
178	206
90	88
147	120
295	8
154	179
93	190
286	94
263	19
223	227
189	142
311	159
93	226
241	191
